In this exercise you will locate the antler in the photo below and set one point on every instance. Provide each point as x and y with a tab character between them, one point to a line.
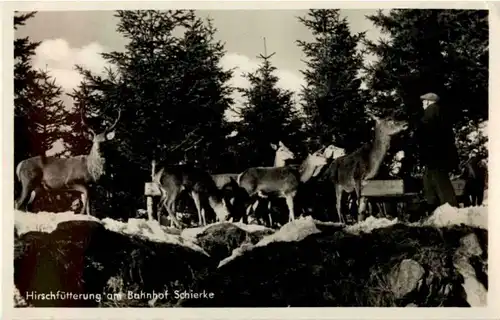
84	124
116	121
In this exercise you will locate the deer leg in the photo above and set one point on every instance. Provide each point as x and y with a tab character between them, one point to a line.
197	203
22	198
33	195
338	195
252	207
362	208
269	214
170	207
161	205
360	201
290	204
28	189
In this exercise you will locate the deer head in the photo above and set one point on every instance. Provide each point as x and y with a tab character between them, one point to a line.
314	163
333	152
389	126
282	152
221	210
106	135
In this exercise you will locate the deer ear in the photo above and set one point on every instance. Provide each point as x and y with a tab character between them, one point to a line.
274	146
281	144
328	153
110	135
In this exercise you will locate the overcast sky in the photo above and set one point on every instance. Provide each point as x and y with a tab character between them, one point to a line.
79	36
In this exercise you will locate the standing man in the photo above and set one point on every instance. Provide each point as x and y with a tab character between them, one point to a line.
438	153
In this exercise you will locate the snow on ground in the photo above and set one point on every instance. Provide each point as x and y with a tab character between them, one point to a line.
296	230
44	221
251	228
150	230
292	231
301	228
370	224
19	300
192	233
446	216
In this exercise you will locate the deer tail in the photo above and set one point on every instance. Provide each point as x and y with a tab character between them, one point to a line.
18	170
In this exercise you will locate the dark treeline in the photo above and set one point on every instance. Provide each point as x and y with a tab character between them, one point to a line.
174	94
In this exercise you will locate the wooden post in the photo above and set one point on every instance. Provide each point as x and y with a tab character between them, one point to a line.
149	199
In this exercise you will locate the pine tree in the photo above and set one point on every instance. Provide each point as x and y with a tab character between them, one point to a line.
40	117
24	76
268	116
172	93
441	51
332	98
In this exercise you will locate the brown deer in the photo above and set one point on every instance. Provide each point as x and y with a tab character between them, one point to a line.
349	171
474	171
281	182
330	152
67	174
282	155
175	179
228	181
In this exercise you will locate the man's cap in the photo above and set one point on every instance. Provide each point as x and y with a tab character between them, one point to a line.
430	96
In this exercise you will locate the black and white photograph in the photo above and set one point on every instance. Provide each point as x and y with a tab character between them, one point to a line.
268	158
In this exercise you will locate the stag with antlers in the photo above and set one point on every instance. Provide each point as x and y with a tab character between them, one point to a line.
68	174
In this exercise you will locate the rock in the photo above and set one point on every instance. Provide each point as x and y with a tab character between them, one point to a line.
220	240
469	246
405	277
474	289
340	269
19	299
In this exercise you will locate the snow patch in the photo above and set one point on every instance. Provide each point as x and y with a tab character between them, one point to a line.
149	230
19	300
296	230
251	228
191	234
446	215
25	222
370	224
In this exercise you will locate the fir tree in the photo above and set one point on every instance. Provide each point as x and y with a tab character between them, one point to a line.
268	116
332	98
172	93
441	51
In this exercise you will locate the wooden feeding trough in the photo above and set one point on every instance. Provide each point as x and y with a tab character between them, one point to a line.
396	191
383	188
396	188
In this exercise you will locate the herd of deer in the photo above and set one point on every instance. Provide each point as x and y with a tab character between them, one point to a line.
231	196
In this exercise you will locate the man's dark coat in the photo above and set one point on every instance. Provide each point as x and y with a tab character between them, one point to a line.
436	140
